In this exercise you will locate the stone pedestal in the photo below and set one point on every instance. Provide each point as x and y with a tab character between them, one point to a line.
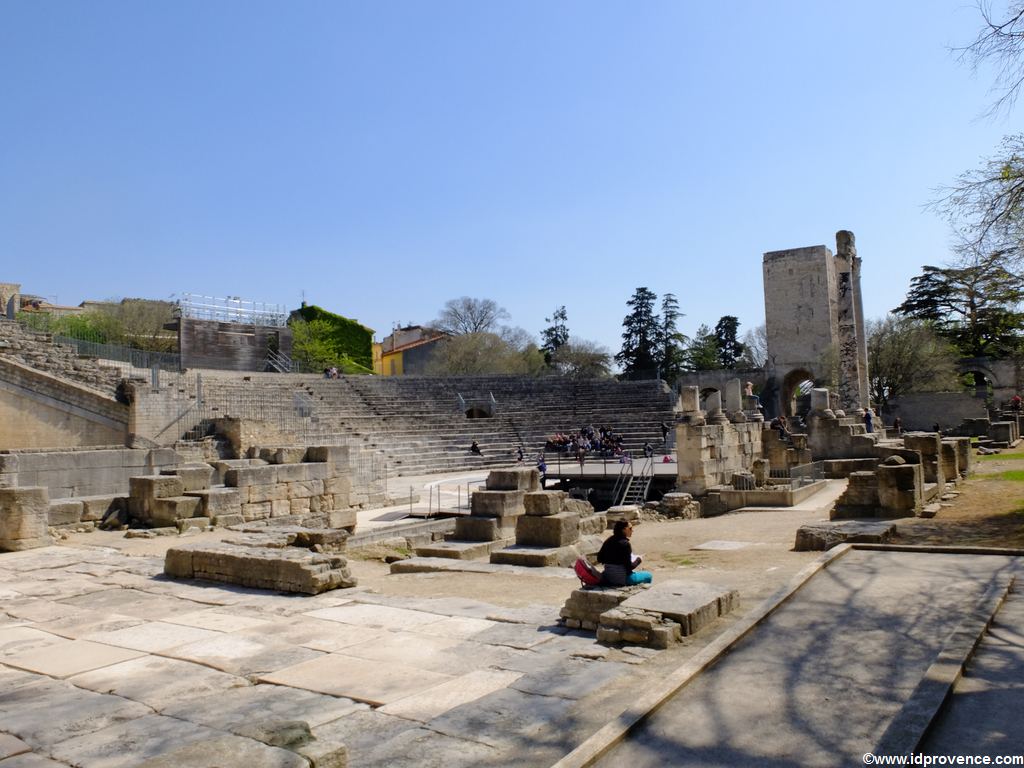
24	516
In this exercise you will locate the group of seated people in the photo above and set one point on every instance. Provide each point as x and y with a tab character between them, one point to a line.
331	373
602	441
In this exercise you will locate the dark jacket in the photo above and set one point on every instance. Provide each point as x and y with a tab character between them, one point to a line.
616	555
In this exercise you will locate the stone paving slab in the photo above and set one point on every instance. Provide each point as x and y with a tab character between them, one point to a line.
569	678
237	708
32	760
219	621
242	655
436	701
133	602
374	682
424	748
415	650
460	627
153	636
509	720
446	565
523	636
11	746
375	616
690	603
21	639
318	634
70	657
48	712
718	545
155	740
157	682
78	622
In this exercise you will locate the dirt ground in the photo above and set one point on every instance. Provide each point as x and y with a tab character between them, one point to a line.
987	512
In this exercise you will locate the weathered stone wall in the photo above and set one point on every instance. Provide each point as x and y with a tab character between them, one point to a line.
23	519
38	410
83	472
947	409
709	454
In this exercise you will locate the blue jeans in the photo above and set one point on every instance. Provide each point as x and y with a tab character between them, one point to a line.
640	577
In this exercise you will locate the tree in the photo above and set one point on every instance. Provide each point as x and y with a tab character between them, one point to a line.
986	205
729	348
481	353
582	359
907	355
703	353
556	334
468	315
755	348
640	352
315	346
974	306
671	359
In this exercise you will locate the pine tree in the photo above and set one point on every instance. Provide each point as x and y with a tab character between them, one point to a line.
730	350
555	335
671	359
640	352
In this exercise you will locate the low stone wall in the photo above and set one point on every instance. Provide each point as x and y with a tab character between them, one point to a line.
83	472
947	409
38	410
709	454
779	496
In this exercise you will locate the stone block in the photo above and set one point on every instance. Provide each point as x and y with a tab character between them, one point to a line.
193	478
900	489
629	512
497	503
342	518
291	473
166	512
692	605
224	521
338	484
815	537
216	503
269	492
64	512
242	477
24	515
536	557
579	506
291	569
544	503
147	488
293	454
520	479
195	523
299	506
280	508
593	525
330	454
304	489
470	528
551	531
99	507
260	511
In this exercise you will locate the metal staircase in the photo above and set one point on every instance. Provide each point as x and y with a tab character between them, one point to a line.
638	485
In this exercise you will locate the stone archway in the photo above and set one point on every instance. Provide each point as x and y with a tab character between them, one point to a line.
796	388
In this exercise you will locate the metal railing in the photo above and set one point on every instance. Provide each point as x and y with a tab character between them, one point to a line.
800	475
233	309
137	358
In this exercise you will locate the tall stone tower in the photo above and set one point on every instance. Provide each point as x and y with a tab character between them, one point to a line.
815	322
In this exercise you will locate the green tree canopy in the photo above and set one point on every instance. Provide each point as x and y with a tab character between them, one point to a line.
483	353
582	359
556	334
640	353
730	349
907	355
703	353
974	306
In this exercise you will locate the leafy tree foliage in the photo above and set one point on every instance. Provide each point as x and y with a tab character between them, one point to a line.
137	323
482	353
582	359
975	306
468	315
907	355
730	349
641	339
556	334
703	353
672	359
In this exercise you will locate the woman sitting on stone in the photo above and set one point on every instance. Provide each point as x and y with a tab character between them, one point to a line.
616	556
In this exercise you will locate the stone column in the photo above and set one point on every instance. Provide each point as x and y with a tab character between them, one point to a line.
714	408
851	397
734	400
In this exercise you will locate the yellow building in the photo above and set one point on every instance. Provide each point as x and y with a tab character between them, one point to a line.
406	351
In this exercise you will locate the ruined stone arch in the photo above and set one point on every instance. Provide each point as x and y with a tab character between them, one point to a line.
791	390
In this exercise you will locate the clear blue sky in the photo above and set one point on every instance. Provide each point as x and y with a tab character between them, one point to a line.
380	158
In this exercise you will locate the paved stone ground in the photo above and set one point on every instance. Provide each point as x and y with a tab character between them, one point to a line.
105	663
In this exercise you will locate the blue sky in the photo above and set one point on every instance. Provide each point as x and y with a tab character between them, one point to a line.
380	158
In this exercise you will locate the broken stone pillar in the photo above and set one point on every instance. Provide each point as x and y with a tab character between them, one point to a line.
734	400
743	481
820	402
24	518
714	409
762	471
900	488
948	461
928	445
689	404
964	455
853	390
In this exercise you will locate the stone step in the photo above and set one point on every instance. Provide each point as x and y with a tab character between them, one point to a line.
462	550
